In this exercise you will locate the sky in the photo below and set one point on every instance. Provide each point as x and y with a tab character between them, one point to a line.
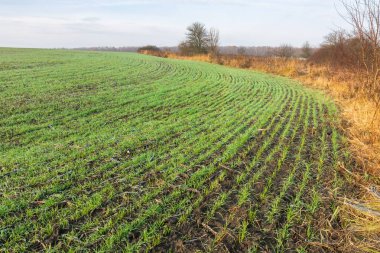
86	23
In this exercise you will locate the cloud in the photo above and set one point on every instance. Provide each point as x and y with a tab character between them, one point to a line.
91	19
56	23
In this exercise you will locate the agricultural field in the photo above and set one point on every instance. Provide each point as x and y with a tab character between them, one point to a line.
115	152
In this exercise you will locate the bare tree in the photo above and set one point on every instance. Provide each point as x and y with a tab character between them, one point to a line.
213	41
364	17
339	50
336	37
197	38
306	50
285	51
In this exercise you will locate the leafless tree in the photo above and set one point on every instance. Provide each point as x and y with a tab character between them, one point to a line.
285	51
336	37
213	41
306	50
197	38
364	17
339	50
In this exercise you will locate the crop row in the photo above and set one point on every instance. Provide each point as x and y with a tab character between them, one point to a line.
123	152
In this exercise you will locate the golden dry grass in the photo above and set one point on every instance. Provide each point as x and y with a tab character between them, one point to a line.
360	215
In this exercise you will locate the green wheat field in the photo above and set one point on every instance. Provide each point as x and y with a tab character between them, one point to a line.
121	152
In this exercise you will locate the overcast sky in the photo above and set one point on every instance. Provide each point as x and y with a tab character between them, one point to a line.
80	23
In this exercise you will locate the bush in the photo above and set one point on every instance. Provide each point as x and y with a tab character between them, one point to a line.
148	48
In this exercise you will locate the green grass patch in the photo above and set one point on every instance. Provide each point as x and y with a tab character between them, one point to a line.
124	152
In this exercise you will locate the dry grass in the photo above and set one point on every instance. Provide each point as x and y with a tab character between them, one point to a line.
360	215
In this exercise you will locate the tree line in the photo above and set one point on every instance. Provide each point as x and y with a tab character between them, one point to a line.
357	50
199	40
